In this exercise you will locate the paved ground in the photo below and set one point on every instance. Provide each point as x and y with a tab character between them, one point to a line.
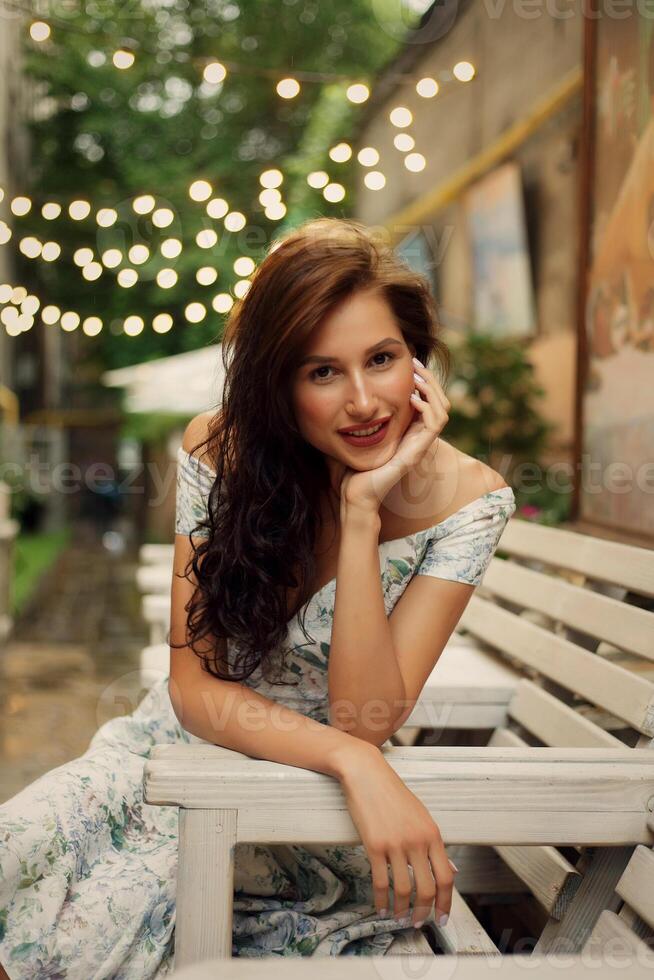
71	663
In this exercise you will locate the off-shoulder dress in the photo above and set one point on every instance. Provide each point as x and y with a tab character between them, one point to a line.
87	869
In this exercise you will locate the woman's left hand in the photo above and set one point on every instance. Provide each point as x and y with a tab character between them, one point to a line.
366	490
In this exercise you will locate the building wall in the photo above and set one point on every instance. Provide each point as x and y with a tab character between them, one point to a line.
519	62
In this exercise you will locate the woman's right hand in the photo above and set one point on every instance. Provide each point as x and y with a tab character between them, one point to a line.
396	828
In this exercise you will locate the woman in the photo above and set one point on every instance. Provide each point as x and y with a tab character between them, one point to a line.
317	578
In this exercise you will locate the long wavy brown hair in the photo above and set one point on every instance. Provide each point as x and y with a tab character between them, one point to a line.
263	510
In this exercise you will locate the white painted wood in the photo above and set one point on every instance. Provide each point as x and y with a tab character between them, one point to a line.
155	579
611	934
205	885
628	627
628	696
409	942
423	967
607	561
551	879
527	796
156	554
463	933
636	886
553	722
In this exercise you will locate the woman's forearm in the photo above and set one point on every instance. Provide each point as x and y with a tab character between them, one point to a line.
230	714
366	689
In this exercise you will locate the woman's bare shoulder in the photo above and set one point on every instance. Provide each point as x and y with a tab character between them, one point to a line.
195	437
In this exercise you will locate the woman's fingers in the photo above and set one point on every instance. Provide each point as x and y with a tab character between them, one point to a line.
444	876
425	886
401	884
380	882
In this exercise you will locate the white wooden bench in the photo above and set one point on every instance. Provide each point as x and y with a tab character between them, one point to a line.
544	614
425	967
498	796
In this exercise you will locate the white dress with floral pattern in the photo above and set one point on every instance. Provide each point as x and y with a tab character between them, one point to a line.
87	869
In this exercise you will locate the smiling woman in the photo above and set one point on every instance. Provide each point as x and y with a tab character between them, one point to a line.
282	522
337	353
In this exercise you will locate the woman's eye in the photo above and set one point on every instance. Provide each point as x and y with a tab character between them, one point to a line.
385	354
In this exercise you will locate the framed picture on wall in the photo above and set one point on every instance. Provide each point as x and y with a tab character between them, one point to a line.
503	297
616	395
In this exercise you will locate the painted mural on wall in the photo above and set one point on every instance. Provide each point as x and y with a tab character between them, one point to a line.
618	402
503	299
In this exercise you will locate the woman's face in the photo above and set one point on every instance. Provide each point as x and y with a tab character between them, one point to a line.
355	369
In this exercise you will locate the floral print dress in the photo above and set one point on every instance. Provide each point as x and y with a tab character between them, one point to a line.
88	870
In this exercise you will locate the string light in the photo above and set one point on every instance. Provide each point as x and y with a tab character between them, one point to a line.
133	325
39	31
244	266
166	278
195	312
271	178
143	204
400	116
358	93
123	59
92	271
206	238
241	287
51	251
112	258
78	210
464	71
368	156
214	73
129	277
162	323
50	211
341	152
163	217
374	180
334	193
427	88
222	303
288	88
200	190
206	275
274	212
217	208
317	179
20	206
415	162
106	217
171	248
234	221
92	326
404	142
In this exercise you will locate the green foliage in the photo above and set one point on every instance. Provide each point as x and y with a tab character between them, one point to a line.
34	554
494	417
152	428
106	136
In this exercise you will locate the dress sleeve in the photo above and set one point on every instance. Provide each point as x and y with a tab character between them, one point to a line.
194	482
461	547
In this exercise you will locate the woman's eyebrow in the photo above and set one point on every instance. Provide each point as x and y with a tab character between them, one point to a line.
318	359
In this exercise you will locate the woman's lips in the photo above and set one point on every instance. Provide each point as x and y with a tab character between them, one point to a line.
363	441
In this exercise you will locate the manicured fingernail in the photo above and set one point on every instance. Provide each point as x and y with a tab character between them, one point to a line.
420	922
416	377
453	865
383	912
416	361
441	918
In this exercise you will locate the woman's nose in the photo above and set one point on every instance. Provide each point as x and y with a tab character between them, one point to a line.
362	395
